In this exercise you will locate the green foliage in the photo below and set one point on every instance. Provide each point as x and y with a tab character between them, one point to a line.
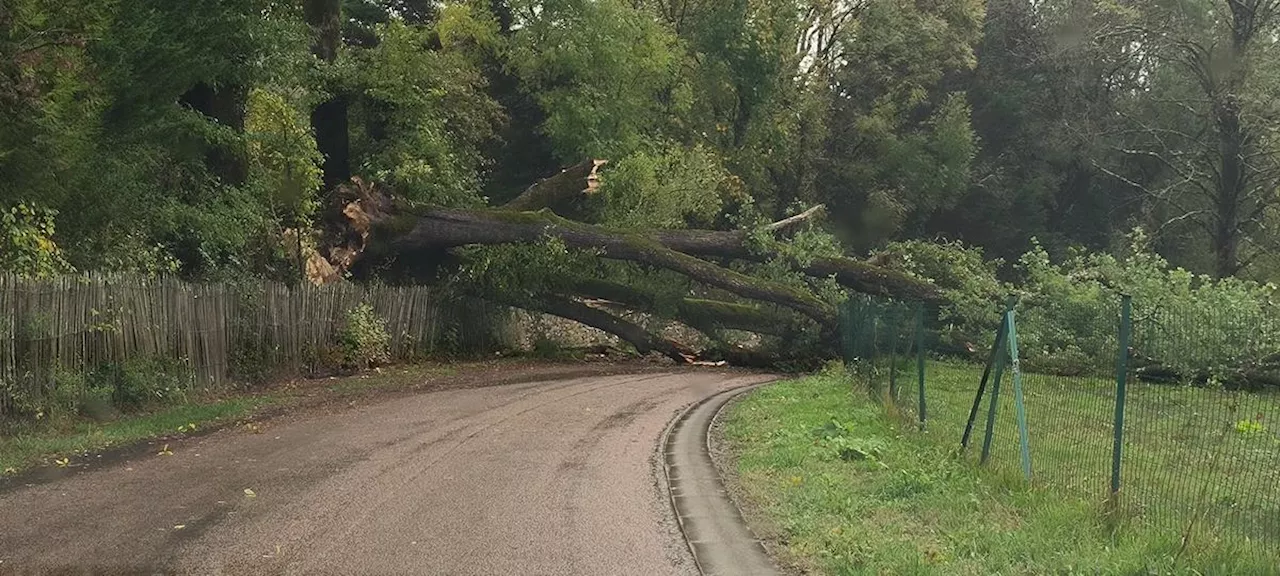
26	242
900	143
605	73
524	270
1192	324
673	188
282	155
364	339
1251	426
974	293
76	395
423	115
139	383
1068	311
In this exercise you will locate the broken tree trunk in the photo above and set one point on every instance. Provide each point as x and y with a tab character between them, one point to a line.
383	234
569	183
367	207
704	315
643	340
671	249
445	228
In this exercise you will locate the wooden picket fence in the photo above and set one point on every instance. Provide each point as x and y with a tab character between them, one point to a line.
76	323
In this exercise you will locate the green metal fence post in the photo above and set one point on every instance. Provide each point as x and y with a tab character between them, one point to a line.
844	324
982	386
1019	405
995	400
1005	324
895	326
924	415
1122	377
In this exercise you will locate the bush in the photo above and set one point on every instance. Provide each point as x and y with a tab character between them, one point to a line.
974	292
137	383
364	339
1194	326
74	395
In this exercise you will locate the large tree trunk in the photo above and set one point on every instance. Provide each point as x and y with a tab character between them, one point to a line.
445	228
379	234
1231	187
329	119
226	105
644	341
704	315
671	249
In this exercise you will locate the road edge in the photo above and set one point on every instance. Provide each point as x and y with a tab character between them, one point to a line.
714	530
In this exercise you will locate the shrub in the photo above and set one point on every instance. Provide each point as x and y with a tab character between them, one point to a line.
26	242
74	395
973	290
1194	326
364	339
246	362
137	383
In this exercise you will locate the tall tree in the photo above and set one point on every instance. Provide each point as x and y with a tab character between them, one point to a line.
1204	119
900	143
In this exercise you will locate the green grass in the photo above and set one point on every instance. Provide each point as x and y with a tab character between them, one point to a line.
855	489
23	446
48	444
1196	462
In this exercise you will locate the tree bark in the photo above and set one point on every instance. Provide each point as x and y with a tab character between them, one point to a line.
445	228
670	249
644	341
569	183
329	119
701	314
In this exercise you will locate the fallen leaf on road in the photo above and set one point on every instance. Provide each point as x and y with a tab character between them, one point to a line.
62	462
249	493
10	470
179	526
165	451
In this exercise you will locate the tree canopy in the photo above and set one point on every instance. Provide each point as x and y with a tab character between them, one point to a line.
238	138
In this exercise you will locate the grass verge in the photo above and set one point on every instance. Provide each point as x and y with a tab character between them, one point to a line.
55	443
854	490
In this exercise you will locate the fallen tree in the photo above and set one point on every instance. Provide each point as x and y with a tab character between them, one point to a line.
378	231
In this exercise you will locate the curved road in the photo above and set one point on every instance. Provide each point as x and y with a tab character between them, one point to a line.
529	479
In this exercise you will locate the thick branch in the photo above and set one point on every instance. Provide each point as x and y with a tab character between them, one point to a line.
731	244
569	183
642	339
875	280
698	313
443	228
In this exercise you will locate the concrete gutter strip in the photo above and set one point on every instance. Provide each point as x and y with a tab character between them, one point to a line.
719	538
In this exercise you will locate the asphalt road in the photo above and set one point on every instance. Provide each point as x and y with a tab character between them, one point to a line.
526	479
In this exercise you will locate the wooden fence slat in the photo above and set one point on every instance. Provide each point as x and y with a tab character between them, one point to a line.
76	324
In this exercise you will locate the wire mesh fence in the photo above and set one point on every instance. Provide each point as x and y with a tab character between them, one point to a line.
1201	452
1161	414
212	331
885	344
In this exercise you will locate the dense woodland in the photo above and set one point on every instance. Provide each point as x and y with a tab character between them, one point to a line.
738	165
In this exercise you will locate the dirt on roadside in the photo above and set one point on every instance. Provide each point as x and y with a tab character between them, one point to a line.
307	397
